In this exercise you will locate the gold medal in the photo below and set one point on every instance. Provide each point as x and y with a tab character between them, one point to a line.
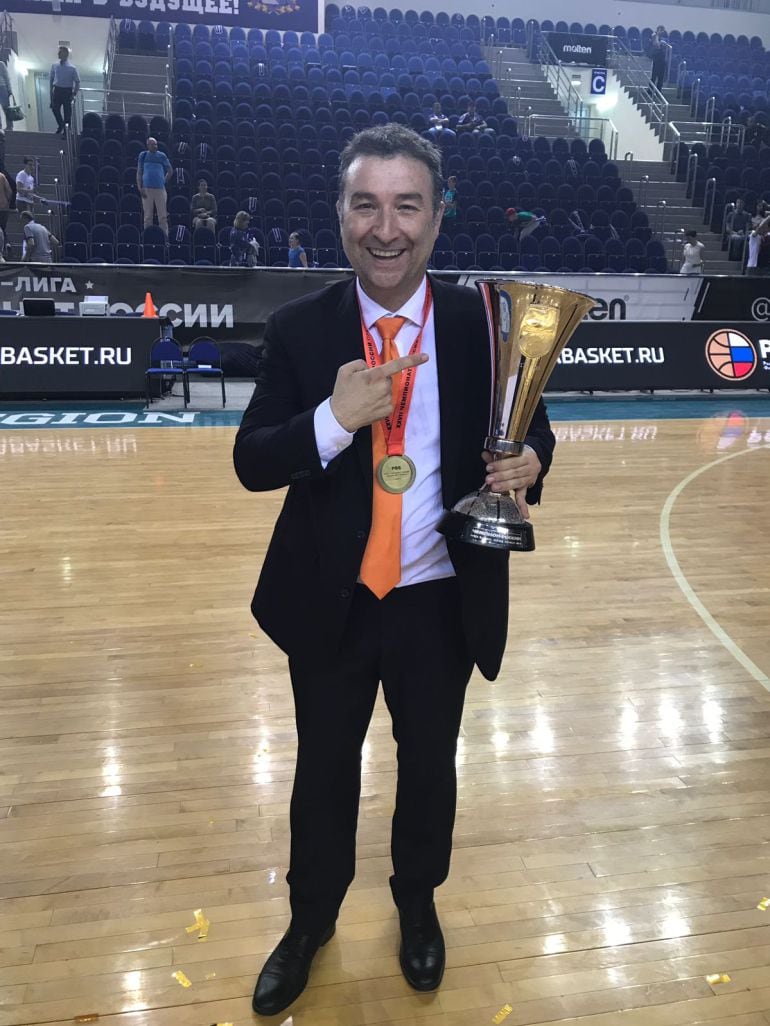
396	474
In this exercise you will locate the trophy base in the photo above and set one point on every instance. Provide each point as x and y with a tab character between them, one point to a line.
488	519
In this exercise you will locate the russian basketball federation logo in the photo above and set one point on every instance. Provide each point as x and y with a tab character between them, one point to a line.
731	354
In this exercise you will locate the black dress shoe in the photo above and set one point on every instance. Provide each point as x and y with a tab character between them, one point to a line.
284	975
422	955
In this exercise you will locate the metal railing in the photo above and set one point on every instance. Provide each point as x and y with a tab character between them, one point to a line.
635	78
109	54
6	31
586	128
709	199
124	101
692	174
677	247
659	218
687	133
643	190
559	79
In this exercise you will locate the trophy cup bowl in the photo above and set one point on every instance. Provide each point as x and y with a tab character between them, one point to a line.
529	325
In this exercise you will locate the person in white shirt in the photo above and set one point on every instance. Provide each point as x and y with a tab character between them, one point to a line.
692	254
358	586
25	186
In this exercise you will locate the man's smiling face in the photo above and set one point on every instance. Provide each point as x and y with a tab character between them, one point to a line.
388	225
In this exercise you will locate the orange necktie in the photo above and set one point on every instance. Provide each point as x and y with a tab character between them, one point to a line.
381	565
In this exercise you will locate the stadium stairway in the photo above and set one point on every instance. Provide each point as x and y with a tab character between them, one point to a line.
137	85
677	214
526	90
47	149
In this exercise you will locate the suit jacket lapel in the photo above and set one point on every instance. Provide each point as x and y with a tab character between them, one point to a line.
346	341
451	357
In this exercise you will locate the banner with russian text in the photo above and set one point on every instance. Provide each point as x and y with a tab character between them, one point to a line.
298	15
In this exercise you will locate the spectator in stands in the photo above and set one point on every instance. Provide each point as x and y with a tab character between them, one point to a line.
5	93
522	222
6	197
450	200
658	47
754	132
297	255
64	82
204	207
439	125
692	254
737	224
243	250
153	170
25	186
760	213
37	241
759	249
472	122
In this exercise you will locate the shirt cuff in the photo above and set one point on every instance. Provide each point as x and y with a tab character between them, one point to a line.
330	437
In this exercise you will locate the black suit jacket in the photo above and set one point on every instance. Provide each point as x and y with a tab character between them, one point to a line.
312	563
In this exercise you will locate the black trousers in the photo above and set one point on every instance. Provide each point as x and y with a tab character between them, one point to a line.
61	100
412	641
658	75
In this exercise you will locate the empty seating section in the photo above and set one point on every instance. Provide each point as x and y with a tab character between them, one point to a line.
263	116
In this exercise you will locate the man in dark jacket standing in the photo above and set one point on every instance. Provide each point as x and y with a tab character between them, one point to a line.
357	585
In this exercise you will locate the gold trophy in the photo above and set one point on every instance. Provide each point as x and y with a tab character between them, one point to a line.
529	325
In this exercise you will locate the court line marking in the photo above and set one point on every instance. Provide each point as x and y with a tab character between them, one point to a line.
673	564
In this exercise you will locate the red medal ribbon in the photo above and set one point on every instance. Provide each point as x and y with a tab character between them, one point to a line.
394	428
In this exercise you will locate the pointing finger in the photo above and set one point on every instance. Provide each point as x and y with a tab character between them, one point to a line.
402	363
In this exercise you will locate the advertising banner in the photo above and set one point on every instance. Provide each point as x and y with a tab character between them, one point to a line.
59	356
299	15
571	48
645	331
664	356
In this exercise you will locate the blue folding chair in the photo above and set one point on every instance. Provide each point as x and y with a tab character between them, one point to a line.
166	360
205	360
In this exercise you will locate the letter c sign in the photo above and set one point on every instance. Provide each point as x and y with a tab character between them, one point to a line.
598	81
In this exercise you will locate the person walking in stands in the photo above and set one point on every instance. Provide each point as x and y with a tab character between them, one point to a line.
759	249
153	170
6	198
297	255
658	53
5	93
243	250
25	186
692	254
65	82
204	207
37	241
358	587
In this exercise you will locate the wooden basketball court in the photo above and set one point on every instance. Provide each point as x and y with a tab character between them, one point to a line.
613	833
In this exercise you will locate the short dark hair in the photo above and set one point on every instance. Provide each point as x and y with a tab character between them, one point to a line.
389	141
690	233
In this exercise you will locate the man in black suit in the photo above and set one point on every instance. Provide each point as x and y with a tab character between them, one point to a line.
350	604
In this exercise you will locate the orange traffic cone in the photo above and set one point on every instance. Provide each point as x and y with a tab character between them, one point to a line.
149	306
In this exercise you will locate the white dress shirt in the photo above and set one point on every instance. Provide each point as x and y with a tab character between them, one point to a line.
424	555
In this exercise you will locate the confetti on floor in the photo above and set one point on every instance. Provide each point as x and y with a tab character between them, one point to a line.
718	978
764	905
90	1017
180	977
504	1012
201	924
